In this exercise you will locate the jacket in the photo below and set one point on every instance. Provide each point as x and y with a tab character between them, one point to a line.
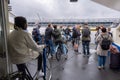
99	40
20	44
48	33
57	36
86	38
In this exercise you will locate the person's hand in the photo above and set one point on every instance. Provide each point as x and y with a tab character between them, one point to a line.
44	46
113	49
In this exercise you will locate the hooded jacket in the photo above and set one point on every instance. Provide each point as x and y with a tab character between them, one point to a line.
20	44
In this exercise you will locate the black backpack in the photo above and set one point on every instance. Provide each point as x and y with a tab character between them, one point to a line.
75	34
85	32
67	31
105	44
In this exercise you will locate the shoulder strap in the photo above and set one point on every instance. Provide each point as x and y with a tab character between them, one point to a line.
102	36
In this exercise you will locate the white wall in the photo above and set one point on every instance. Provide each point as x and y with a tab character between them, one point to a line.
116	33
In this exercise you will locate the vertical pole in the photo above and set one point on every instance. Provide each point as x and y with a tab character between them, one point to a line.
4	6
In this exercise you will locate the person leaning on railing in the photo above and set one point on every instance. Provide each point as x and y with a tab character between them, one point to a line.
19	44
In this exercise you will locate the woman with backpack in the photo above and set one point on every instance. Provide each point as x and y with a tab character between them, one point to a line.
104	41
96	34
76	37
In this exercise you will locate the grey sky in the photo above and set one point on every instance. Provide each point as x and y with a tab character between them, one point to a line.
59	9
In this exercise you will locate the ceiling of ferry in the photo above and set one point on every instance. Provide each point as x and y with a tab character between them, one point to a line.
61	9
114	4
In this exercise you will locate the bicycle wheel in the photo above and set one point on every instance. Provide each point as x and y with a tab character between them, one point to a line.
58	54
20	77
46	66
66	49
48	69
47	51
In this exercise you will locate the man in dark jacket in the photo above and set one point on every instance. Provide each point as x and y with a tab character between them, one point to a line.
36	35
76	36
86	39
48	38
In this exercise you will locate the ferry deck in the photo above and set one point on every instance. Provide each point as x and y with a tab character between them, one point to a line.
76	67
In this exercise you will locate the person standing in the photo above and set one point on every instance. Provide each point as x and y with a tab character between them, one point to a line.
49	39
104	41
109	32
96	34
76	37
36	35
86	39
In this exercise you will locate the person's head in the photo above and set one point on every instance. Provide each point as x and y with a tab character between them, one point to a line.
50	25
20	22
61	27
101	26
68	26
109	29
85	25
55	26
39	26
78	27
104	30
97	28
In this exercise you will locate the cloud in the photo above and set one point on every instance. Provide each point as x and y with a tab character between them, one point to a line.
61	9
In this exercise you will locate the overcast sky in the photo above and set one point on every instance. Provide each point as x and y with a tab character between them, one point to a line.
61	9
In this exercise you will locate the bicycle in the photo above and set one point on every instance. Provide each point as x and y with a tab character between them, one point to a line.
47	51
59	52
20	76
47	66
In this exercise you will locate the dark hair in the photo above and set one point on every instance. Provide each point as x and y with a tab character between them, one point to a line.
85	23
55	26
20	22
97	28
103	30
49	25
39	25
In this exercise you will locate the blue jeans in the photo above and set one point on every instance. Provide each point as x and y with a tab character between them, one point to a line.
70	36
85	45
50	43
64	50
101	60
44	61
109	53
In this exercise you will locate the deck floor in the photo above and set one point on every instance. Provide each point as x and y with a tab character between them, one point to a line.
77	67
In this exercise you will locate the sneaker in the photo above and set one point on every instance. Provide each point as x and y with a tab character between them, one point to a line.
79	52
99	67
84	55
40	74
66	56
103	67
88	55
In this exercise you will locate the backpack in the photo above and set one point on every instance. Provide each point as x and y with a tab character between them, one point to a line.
56	34
34	32
105	44
75	34
86	32
67	31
